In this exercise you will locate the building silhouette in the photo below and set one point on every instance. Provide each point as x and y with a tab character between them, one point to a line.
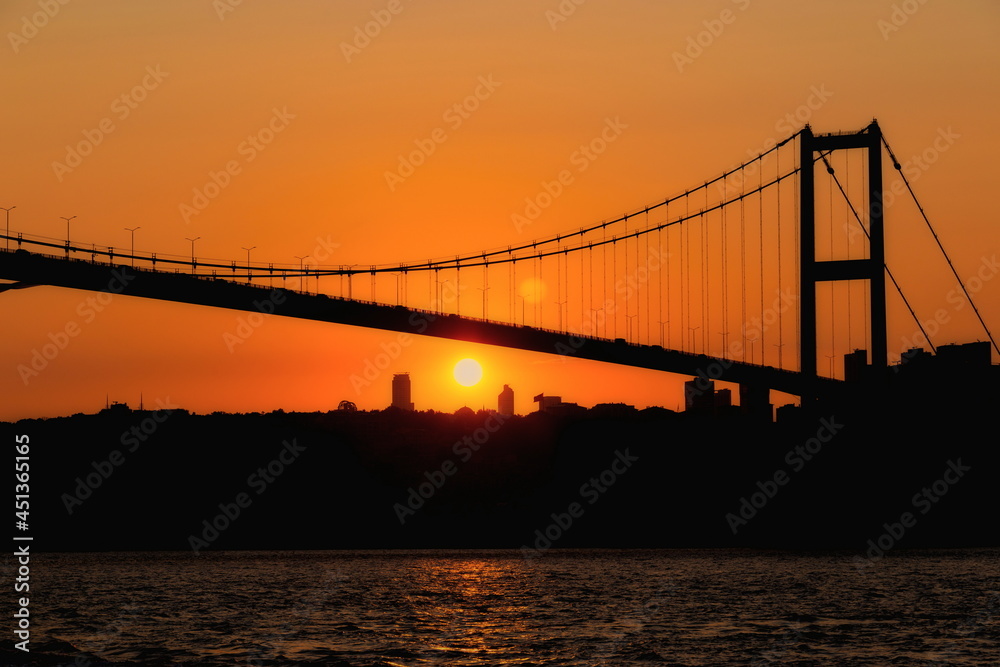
401	391
505	401
699	396
973	355
554	405
614	410
702	398
723	399
856	368
756	402
546	403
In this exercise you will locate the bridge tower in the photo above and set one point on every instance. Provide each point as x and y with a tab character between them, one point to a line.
871	269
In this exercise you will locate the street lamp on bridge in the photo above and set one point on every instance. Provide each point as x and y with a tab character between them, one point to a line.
302	261
445	295
346	270
484	290
132	230
67	232
8	210
753	341
831	357
400	287
692	330
628	328
662	324
779	346
562	305
595	322
248	260
725	344
194	266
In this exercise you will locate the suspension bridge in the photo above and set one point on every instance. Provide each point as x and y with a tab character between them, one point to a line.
752	277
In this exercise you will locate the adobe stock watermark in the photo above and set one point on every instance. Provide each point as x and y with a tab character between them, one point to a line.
271	648
323	250
454	116
131	440
88	309
920	163
785	126
627	287
248	149
988	269
792	121
247	325
32	25
698	43
579	160
705	378
321	253
259	481
591	491
913	169
364	34
374	366
223	7
758	326
121	108
924	500
464	450
562	12
736	349
901	14
648	612
796	458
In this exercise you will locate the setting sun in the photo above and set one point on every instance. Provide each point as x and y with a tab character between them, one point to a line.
468	372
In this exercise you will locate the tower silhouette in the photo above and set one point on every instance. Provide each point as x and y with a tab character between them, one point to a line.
401	391
505	402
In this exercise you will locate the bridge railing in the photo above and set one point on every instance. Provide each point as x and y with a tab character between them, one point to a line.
65	248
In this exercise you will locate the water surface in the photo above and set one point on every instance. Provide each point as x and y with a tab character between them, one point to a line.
588	607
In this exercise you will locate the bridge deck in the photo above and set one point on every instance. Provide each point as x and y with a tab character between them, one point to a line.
34	269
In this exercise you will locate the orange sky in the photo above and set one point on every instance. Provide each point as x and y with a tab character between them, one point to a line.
199	79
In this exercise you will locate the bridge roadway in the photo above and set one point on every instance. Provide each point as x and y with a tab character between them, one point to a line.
29	269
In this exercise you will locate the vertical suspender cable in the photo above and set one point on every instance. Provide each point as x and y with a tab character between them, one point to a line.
743	274
781	330
760	230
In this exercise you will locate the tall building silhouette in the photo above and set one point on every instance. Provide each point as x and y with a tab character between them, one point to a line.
699	396
401	391
856	366
505	402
